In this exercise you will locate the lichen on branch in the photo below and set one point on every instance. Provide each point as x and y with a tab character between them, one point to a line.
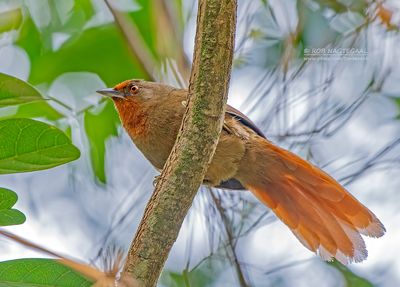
184	170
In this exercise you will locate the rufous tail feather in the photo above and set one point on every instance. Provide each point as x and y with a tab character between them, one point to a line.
322	214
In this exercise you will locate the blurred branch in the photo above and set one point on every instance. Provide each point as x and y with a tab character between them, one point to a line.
370	163
231	240
342	113
288	265
64	105
135	42
169	37
184	170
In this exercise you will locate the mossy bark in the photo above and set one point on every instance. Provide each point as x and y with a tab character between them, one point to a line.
184	171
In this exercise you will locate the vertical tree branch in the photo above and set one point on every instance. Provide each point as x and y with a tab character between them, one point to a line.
184	170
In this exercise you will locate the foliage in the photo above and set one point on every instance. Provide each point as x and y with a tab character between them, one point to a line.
87	40
397	101
351	279
26	145
30	145
108	119
202	275
39	272
10	19
13	91
8	215
103	42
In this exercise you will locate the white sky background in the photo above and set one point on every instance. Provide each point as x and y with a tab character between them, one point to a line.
69	214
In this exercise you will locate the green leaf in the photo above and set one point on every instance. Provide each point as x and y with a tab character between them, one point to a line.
204	275
99	127
29	145
37	110
30	40
117	62
397	101
9	216
39	272
340	6
10	20
351	279
14	91
84	6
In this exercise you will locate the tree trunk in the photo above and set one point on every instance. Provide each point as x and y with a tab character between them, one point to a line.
184	170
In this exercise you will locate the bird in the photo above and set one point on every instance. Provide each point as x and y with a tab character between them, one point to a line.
321	213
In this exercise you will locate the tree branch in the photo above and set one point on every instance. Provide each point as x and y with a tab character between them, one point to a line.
170	40
135	42
231	246
184	170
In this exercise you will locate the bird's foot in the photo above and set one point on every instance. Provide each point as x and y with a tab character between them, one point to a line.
155	180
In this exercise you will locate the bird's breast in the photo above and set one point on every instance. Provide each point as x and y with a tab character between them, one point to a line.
155	135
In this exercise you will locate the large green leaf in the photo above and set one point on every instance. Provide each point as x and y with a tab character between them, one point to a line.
99	127
39	272
351	279
14	91
29	145
9	216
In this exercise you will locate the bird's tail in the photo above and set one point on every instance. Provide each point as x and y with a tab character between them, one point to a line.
323	215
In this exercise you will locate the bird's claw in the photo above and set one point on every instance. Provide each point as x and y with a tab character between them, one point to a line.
155	180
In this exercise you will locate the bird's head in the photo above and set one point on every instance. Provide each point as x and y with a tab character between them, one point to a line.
133	98
135	91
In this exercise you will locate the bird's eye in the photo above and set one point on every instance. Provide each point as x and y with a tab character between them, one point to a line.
134	89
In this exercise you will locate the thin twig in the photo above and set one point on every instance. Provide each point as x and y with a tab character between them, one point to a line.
231	240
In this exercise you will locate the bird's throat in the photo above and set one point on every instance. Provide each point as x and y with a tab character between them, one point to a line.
133	116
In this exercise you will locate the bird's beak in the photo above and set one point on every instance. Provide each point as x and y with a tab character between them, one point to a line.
110	92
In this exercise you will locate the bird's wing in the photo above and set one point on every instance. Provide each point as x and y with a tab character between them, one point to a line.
242	118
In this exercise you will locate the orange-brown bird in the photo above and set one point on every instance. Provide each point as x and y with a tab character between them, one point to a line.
323	215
